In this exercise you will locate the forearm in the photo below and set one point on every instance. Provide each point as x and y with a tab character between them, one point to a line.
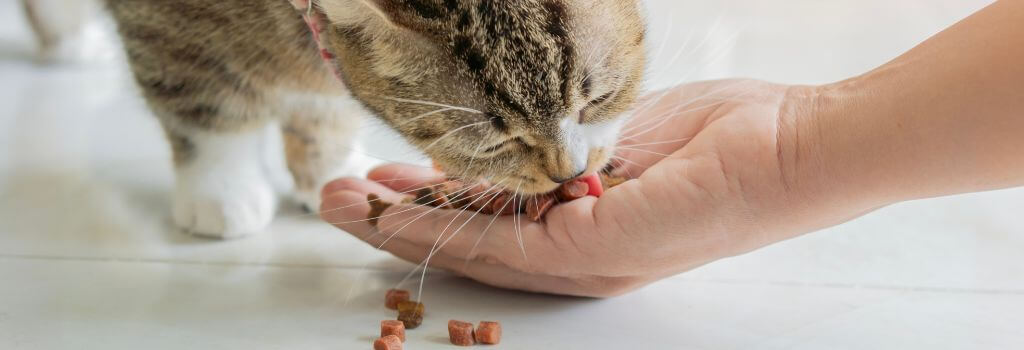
945	118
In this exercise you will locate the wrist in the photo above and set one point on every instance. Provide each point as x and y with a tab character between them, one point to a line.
822	172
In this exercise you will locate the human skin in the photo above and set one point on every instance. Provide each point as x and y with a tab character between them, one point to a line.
723	168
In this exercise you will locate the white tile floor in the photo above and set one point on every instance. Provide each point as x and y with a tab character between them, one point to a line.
88	260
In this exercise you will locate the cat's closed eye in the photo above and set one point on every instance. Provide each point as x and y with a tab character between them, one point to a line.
594	106
498	123
504	145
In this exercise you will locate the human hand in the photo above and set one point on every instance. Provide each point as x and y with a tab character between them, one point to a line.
710	165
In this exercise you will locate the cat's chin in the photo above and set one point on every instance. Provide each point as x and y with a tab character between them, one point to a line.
528	188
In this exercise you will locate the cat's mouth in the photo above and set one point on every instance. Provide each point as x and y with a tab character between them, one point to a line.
534	180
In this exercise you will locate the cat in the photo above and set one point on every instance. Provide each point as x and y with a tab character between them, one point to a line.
527	94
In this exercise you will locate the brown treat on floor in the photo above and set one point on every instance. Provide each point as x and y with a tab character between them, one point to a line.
573	190
611	181
488	333
395	297
377	208
410	313
460	333
537	206
392	327
390	342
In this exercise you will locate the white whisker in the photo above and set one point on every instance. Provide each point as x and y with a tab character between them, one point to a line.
428	103
655	143
436	248
518	221
645	151
458	193
627	161
484	233
450	133
424	115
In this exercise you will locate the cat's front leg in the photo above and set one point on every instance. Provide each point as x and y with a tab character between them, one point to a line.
222	187
320	146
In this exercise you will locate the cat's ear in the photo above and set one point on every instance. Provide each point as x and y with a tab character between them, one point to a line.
355	12
389	34
415	15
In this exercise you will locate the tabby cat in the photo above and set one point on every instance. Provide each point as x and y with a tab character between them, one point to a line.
524	93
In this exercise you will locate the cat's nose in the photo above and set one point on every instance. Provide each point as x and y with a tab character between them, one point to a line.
562	180
568	165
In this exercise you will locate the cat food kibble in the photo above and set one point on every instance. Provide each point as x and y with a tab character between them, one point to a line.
483	204
390	342
394	297
410	313
392	327
377	208
503	205
459	195
433	196
460	333
488	333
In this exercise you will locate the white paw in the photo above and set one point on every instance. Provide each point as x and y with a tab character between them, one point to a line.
224	209
222	191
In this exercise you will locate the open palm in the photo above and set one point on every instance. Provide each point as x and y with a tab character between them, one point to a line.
709	181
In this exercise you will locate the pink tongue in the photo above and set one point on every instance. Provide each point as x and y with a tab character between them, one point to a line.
594	181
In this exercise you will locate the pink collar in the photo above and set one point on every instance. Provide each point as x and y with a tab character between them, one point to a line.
317	22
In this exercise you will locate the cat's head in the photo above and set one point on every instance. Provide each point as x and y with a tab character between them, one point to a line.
524	93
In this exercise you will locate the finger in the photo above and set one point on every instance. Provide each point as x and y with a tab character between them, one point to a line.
632	162
348	206
359	185
402	178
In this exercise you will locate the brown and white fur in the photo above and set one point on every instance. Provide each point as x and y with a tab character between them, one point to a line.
524	93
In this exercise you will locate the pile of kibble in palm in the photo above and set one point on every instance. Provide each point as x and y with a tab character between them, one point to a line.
453	194
410	316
